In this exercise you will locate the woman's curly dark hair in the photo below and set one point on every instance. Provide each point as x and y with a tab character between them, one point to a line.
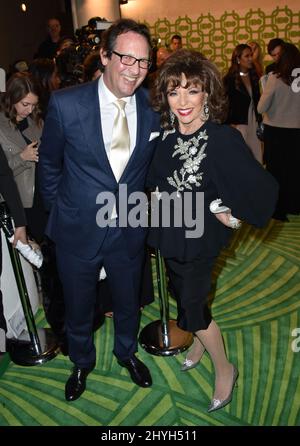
198	71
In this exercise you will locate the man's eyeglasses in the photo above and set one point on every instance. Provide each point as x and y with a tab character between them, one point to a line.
130	60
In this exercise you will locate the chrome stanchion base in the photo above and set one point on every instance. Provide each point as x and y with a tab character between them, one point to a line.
22	352
176	341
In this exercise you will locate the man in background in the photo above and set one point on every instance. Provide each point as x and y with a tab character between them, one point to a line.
48	48
162	54
176	42
274	49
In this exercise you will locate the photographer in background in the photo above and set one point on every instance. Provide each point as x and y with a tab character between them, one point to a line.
49	47
45	72
78	59
70	65
92	66
90	34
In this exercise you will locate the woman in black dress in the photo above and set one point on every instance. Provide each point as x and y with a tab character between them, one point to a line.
242	88
198	161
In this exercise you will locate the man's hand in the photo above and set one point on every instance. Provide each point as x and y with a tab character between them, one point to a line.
20	234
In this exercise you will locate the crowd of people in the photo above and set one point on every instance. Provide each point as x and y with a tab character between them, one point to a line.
189	131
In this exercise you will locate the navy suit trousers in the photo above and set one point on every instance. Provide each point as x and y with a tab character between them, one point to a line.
79	278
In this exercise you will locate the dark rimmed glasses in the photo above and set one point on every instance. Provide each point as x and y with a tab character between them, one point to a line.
130	60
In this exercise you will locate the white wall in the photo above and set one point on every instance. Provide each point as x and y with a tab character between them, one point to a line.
83	10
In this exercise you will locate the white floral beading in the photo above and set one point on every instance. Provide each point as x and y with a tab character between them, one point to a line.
192	155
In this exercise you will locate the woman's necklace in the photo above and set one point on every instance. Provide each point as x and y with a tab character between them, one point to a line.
244	74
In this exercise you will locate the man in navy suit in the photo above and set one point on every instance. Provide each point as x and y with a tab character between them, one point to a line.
75	167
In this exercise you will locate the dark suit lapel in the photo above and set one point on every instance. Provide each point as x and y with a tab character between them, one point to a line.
90	118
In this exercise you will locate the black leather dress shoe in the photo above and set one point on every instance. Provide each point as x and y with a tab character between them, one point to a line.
139	373
75	385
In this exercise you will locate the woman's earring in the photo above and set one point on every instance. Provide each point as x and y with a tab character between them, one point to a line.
172	119
205	111
172	123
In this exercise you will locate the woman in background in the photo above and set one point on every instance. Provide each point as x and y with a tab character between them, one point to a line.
20	132
45	72
242	88
280	106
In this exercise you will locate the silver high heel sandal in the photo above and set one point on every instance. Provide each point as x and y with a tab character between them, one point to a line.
188	364
217	404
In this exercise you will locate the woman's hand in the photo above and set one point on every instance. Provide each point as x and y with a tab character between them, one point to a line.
228	220
30	153
20	234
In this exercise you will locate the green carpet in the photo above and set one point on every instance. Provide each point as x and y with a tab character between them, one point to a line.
257	306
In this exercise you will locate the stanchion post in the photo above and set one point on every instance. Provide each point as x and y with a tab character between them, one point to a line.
163	298
24	298
163	337
42	345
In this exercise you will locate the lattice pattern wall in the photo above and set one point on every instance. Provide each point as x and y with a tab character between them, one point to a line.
217	37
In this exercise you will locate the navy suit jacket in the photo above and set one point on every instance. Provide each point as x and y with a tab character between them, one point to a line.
74	168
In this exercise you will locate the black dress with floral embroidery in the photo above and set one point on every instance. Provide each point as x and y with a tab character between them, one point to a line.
215	161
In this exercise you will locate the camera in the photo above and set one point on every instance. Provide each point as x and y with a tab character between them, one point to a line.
70	61
90	34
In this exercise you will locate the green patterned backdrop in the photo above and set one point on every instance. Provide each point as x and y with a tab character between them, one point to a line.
217	36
